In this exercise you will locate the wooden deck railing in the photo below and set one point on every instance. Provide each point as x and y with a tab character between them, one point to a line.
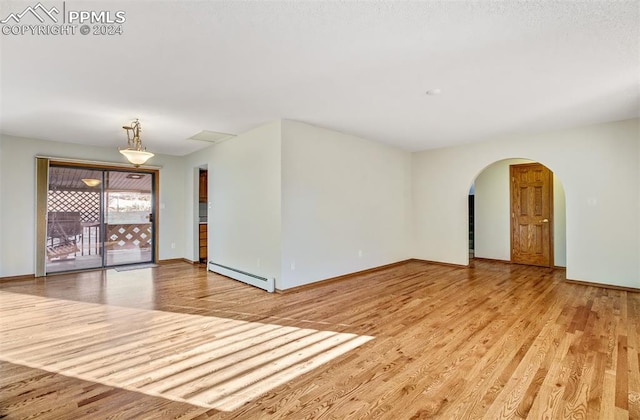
128	236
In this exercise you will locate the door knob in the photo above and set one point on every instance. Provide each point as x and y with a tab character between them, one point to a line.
544	221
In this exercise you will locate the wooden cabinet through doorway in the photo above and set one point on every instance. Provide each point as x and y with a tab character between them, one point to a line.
203	187
203	242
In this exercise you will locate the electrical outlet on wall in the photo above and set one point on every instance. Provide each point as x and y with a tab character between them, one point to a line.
293	265
173	245
359	253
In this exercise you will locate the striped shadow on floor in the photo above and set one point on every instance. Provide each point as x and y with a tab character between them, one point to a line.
205	361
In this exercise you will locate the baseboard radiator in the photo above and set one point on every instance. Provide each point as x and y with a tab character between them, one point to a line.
266	283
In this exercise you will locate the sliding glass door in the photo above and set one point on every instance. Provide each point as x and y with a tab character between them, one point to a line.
129	218
98	218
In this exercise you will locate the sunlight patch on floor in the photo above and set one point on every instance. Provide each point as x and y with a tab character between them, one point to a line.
205	361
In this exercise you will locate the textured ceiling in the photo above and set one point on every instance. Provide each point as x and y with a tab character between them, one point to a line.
363	68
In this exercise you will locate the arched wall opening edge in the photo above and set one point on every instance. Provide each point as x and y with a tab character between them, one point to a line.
492	223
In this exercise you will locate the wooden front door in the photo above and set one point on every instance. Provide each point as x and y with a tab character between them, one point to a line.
531	214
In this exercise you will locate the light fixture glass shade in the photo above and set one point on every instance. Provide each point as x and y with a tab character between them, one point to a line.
136	153
137	157
91	182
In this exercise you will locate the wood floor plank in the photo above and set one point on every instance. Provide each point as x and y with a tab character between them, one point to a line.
492	341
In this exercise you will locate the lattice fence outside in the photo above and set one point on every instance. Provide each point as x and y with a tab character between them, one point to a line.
128	236
85	202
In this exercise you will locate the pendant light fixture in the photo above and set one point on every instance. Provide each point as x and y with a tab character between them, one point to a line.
135	153
91	182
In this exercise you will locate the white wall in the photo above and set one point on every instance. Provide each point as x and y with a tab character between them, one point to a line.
244	191
289	192
492	222
559	223
598	167
345	204
17	206
491	217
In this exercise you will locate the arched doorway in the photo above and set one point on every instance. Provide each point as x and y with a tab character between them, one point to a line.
492	217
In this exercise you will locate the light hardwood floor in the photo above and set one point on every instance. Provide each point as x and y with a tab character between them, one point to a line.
493	341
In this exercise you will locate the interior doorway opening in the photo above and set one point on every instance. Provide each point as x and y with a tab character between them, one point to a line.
202	204
472	192
492	215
